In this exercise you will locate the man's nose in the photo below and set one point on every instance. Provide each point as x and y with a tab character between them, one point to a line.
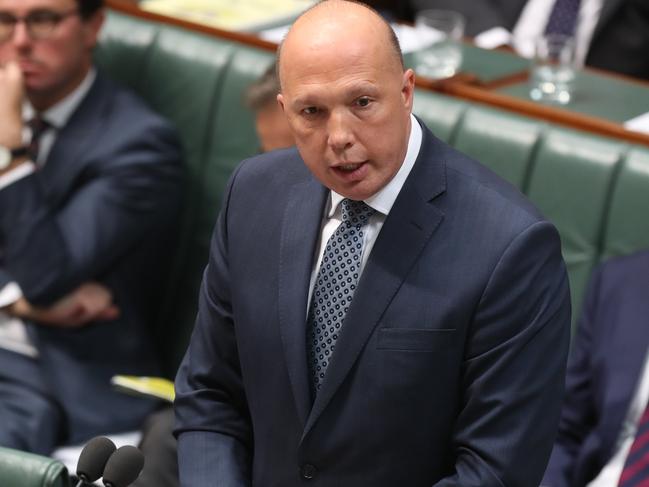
340	131
20	36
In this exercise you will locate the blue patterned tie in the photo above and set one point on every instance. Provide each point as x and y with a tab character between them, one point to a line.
334	288
563	18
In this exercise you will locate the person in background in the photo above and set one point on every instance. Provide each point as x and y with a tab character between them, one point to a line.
378	309
603	438
89	193
270	122
610	34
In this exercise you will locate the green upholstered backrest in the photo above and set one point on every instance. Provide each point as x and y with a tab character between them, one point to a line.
20	469
594	189
198	83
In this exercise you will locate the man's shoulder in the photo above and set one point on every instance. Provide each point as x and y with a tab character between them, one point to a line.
279	167
121	107
470	183
628	270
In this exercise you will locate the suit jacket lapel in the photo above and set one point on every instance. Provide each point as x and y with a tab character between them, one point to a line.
409	226
73	139
302	218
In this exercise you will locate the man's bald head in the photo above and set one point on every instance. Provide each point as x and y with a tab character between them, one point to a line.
335	13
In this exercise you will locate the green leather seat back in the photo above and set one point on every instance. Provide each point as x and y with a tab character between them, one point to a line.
440	113
627	228
197	82
20	469
504	142
571	182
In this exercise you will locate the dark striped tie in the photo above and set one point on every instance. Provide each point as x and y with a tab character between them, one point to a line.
563	18
636	467
38	127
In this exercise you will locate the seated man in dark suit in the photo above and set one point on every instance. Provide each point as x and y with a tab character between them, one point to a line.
378	309
89	192
603	438
610	34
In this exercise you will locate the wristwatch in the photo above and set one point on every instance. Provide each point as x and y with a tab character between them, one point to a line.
7	155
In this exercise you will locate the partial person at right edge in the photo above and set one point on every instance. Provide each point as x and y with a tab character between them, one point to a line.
603	438
611	34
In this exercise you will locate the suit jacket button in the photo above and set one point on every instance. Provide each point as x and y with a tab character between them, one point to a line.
308	471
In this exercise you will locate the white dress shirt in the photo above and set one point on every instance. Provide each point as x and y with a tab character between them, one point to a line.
13	335
382	202
531	24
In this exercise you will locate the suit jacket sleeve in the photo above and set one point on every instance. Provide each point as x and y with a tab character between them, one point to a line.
514	368
212	420
577	415
52	243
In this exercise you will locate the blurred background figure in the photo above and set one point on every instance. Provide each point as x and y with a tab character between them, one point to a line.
89	193
603	438
610	34
270	122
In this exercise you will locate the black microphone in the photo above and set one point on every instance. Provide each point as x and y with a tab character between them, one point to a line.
123	467
93	458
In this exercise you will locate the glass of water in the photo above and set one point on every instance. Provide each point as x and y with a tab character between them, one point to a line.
552	76
440	32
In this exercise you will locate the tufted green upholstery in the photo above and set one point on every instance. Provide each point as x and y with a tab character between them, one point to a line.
19	469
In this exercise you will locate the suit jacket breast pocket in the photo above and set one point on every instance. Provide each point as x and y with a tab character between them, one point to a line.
415	340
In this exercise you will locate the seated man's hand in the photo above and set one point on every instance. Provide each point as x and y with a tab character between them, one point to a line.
89	302
11	87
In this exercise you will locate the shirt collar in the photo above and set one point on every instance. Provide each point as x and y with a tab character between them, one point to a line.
59	114
383	200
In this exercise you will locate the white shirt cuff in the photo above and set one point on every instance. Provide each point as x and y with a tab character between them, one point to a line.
16	173
10	294
492	38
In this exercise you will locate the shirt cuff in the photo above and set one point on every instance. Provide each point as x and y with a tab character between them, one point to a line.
16	173
492	38
10	294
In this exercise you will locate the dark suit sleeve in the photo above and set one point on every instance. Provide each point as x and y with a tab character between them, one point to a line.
513	371
52	244
212	419
577	415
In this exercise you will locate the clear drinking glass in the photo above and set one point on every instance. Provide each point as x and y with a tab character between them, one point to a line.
441	33
552	75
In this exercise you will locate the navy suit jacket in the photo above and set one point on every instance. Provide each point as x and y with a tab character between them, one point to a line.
449	367
605	364
97	211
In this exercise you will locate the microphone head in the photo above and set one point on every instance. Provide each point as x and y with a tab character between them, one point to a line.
123	467
93	458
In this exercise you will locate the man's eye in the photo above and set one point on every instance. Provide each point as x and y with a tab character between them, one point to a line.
310	111
43	17
7	19
363	101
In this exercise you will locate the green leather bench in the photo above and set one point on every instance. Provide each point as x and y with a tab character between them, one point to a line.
594	189
19	469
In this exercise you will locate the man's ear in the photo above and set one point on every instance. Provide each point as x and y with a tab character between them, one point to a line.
280	102
408	88
92	26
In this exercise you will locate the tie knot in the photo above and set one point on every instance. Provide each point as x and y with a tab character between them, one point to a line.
356	212
38	126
